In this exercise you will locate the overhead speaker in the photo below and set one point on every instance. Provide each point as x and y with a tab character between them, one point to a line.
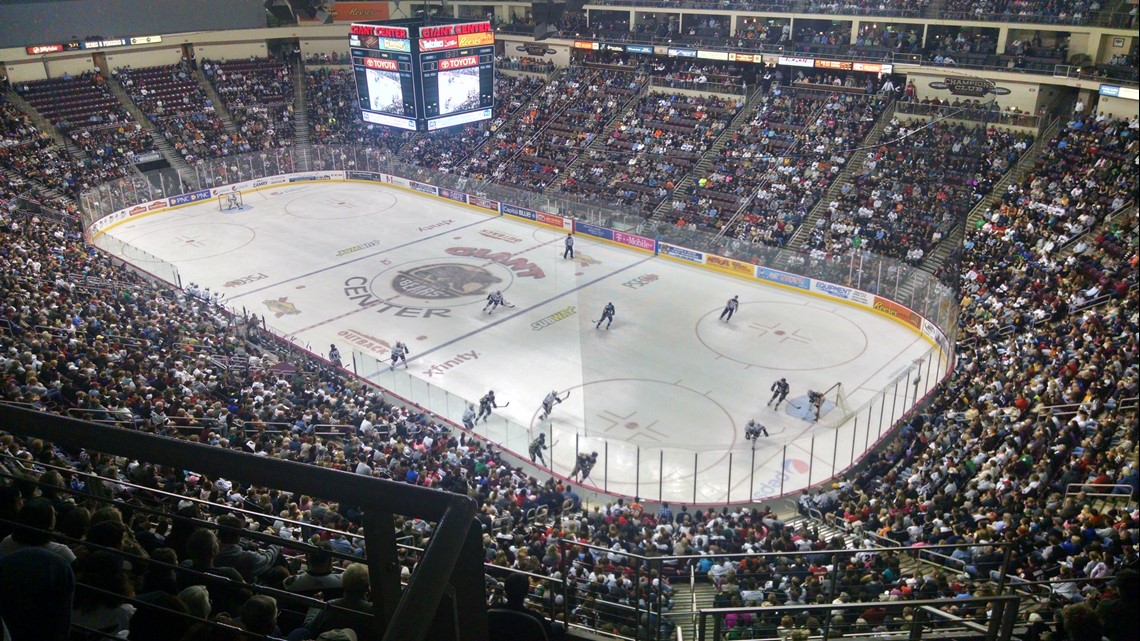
544	31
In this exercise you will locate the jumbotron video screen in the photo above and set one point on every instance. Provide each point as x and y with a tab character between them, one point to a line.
424	76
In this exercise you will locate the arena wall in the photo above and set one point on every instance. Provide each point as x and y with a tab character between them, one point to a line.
143	57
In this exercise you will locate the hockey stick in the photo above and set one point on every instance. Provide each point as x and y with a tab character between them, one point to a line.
794	405
564	397
505	404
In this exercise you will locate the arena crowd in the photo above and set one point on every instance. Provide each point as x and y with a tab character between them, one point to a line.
1042	401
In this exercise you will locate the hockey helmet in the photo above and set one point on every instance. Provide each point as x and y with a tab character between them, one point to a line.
542	436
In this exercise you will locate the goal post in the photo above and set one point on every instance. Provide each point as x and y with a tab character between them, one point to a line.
835	409
229	201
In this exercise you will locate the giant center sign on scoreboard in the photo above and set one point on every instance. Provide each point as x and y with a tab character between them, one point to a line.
423	76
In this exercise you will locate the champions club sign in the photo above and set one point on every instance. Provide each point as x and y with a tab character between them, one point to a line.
535	49
972	87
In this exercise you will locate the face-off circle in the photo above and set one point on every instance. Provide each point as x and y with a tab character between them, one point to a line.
444	282
783	336
324	205
632	413
197	242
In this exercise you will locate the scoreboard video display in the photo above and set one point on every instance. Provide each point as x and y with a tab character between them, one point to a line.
419	76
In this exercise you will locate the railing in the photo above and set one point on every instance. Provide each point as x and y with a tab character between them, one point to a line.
693	85
658	472
1100	489
452	559
928	619
970	114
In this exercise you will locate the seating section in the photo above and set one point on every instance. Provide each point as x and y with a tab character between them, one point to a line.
908	8
1040	406
258	93
334	114
34	155
1054	11
86	111
654	146
912	190
562	119
778	163
444	150
170	97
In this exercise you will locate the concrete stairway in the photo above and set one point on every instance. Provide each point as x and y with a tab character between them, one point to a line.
850	170
43	125
302	144
599	140
173	158
953	240
216	101
39	121
702	167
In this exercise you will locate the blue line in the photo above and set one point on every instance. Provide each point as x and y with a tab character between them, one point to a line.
535	306
354	260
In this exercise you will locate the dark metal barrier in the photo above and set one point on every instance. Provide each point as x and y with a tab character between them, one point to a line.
452	564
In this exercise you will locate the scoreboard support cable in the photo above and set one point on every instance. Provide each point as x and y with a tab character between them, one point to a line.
424	74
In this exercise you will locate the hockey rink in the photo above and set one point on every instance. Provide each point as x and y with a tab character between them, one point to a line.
663	395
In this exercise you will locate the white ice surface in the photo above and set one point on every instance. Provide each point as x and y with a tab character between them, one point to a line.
665	391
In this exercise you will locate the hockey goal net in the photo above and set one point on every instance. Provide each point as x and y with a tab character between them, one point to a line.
834	410
229	201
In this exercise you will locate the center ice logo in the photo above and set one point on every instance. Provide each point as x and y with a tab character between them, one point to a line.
445	280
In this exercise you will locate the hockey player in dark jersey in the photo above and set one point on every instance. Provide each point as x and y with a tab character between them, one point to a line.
779	392
607	315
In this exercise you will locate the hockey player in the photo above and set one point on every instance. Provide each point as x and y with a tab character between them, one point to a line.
399	353
548	404
569	252
536	448
815	400
486	404
334	354
779	392
494	299
730	308
469	416
607	315
584	464
754	430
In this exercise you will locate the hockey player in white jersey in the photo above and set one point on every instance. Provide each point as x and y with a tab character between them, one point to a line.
399	354
494	299
549	402
469	416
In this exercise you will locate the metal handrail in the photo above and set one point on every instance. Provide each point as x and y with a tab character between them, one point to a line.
452	556
1079	486
1000	627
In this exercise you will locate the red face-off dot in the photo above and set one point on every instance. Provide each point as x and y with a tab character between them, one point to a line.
632	425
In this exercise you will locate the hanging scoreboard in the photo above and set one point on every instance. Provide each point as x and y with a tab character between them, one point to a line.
423	76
